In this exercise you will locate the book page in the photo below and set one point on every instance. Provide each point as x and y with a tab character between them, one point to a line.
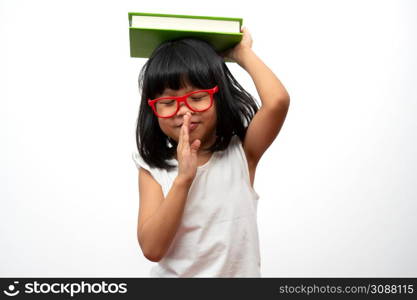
185	24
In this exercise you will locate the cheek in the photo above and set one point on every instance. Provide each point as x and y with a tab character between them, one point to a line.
212	118
163	124
168	129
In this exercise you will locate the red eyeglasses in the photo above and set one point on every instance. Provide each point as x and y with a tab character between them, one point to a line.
198	101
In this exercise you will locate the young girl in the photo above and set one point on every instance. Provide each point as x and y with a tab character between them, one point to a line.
200	136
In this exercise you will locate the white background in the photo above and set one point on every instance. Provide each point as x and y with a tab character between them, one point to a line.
338	185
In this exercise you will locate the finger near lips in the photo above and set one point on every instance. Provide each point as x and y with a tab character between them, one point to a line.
186	125
180	139
183	139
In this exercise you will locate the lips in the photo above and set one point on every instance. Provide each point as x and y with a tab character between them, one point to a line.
191	124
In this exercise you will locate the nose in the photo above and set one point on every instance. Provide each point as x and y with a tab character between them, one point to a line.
183	110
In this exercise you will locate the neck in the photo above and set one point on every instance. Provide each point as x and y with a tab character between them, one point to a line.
204	148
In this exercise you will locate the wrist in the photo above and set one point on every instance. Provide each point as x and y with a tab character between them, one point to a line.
243	56
183	181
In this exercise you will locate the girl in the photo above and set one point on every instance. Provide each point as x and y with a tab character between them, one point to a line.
200	137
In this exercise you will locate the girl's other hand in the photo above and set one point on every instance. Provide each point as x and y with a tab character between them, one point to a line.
236	54
186	153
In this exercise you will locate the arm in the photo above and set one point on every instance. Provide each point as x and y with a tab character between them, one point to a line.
159	218
275	99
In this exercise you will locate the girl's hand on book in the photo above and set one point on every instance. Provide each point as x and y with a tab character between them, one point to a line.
237	53
186	153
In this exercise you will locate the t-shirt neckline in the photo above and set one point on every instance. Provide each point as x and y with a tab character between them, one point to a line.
202	167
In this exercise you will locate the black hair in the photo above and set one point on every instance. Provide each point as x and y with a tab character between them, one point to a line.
174	64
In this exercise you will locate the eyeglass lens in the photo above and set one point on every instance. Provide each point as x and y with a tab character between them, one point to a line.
197	101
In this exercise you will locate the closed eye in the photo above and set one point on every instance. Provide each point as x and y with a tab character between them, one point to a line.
166	102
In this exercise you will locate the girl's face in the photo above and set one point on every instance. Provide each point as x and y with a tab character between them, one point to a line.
203	124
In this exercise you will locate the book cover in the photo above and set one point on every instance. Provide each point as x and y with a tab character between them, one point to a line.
144	39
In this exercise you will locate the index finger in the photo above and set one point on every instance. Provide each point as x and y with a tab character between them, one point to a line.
185	128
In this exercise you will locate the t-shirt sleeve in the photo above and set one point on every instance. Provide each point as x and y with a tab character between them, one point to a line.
139	162
160	177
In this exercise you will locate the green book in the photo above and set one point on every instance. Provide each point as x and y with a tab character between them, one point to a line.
147	31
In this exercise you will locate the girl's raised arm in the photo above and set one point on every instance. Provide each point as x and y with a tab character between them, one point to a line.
275	99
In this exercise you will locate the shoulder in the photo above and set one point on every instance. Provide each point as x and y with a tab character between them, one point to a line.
148	183
139	162
148	179
237	143
141	165
235	156
250	165
236	146
160	176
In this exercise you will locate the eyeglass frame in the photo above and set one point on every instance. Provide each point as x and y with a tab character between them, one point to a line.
183	98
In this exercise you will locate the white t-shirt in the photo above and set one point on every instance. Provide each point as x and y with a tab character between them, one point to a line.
218	233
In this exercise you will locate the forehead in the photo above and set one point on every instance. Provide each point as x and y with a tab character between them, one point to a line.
181	91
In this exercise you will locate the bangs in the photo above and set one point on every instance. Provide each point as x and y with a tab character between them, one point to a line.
178	64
